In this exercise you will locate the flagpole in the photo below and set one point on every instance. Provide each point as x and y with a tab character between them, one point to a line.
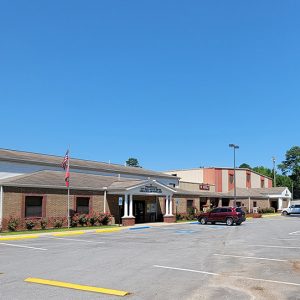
68	214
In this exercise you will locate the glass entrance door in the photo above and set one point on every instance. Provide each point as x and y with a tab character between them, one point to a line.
139	211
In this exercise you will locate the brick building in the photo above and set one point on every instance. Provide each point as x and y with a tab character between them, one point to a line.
32	185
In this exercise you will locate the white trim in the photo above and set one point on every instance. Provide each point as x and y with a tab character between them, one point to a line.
150	181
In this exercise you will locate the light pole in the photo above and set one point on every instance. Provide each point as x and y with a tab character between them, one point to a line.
274	174
234	147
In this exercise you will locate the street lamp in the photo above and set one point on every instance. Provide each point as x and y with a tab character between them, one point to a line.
234	147
274	173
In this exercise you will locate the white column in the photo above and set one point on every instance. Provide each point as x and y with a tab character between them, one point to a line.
249	204
167	206
125	206
280	204
171	205
130	205
104	201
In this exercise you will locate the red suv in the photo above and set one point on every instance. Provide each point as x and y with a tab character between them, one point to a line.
228	215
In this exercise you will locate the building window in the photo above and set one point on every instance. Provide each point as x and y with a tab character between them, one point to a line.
238	204
33	206
254	204
248	177
189	206
231	178
83	205
262	183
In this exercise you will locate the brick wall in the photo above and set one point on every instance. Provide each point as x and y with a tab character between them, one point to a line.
56	201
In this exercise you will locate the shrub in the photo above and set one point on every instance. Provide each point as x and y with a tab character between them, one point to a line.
75	220
43	223
13	224
58	222
93	219
270	210
104	218
30	224
83	220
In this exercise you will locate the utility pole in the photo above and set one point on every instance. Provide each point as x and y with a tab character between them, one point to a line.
274	172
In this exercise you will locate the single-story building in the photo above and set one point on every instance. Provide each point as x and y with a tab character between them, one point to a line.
32	185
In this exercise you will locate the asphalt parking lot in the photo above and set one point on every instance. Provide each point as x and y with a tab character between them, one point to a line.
258	260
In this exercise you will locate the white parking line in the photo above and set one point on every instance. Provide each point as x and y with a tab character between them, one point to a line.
272	246
295	232
251	257
286	239
232	276
77	240
22	246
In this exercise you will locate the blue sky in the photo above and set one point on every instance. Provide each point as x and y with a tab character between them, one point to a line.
171	83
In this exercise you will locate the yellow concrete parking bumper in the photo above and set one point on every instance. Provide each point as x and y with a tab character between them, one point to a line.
77	286
67	233
107	230
16	238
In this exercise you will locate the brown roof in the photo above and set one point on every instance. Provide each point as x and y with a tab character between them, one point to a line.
255	192
51	160
56	179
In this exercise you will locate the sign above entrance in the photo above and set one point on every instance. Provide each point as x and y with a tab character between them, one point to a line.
203	186
150	189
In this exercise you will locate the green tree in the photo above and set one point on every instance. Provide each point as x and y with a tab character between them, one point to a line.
245	166
291	167
132	162
263	171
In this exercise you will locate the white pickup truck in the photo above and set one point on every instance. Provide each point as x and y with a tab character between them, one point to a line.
292	209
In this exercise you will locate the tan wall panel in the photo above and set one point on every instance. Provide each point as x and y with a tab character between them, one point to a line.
241	178
225	181
194	175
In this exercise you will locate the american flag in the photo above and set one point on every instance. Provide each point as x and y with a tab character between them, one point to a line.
67	177
65	162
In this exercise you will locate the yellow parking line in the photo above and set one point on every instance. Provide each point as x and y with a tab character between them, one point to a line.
68	233
15	238
107	230
77	286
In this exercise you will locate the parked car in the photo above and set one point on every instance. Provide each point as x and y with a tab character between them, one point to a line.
293	209
228	215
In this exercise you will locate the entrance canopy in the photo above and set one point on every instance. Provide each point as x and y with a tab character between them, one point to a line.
141	187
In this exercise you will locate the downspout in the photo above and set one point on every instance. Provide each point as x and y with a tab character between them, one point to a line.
1	205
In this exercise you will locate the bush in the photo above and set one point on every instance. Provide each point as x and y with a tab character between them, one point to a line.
75	220
104	218
83	220
93	219
13	224
57	222
30	224
186	217
270	210
43	223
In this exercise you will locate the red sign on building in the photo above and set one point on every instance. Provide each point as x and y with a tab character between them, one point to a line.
203	186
